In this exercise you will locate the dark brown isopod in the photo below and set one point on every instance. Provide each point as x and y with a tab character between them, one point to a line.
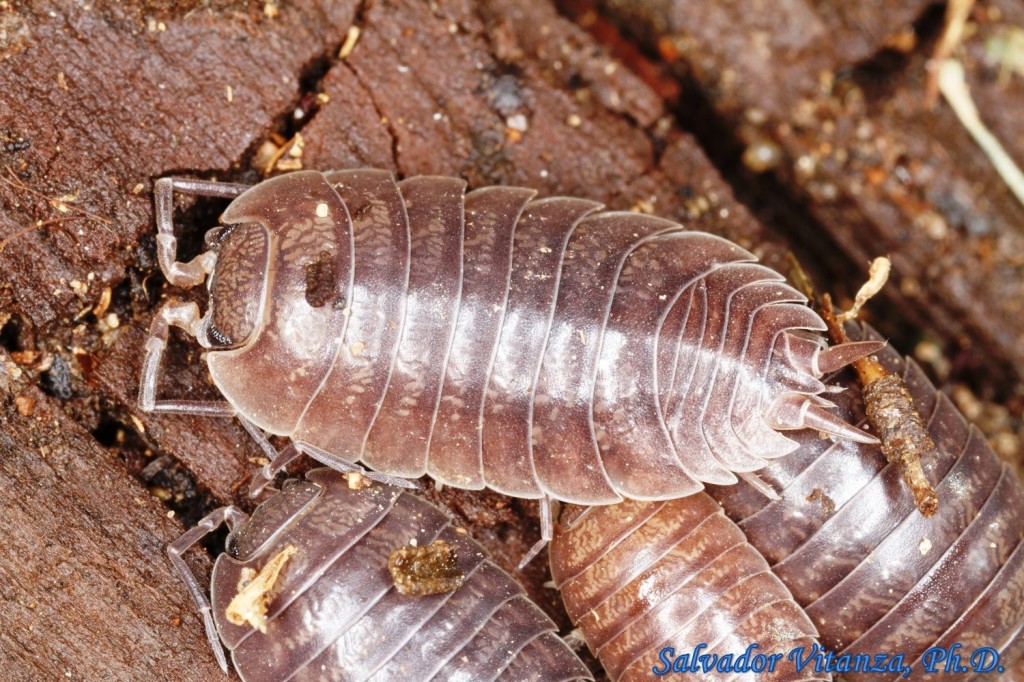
493	340
657	586
874	574
332	610
876	577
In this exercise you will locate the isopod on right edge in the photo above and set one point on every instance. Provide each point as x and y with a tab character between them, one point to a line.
874	576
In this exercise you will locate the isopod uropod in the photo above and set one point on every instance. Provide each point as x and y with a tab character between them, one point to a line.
491	339
333	610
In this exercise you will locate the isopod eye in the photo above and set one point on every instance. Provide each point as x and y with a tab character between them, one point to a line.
238	285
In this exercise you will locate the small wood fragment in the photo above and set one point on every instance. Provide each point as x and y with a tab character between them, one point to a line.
893	417
281	156
421	571
253	599
350	42
889	406
878	275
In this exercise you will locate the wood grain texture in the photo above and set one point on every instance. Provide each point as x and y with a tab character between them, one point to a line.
85	587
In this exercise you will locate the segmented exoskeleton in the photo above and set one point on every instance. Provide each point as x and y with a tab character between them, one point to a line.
656	586
874	575
334	612
535	347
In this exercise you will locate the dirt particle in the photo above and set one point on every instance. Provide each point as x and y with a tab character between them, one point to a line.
320	280
25	405
431	569
762	155
356	481
827	505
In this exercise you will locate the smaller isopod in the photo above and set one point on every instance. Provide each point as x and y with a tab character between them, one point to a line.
329	608
656	585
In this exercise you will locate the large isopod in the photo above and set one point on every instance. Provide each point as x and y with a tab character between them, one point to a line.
332	610
537	347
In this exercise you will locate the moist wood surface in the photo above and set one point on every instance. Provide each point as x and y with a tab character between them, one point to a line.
96	103
84	588
837	89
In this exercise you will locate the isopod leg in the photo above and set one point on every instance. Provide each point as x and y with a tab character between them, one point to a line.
547	531
278	460
195	271
760	485
186	316
232	516
340	464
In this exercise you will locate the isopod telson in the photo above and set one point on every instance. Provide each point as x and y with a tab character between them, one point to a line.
334	612
492	340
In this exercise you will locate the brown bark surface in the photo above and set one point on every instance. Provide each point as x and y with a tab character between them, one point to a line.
98	100
84	587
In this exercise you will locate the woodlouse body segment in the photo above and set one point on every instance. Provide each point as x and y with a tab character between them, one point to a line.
334	611
640	578
532	346
297	343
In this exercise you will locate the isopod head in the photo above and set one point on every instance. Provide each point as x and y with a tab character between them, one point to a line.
238	284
